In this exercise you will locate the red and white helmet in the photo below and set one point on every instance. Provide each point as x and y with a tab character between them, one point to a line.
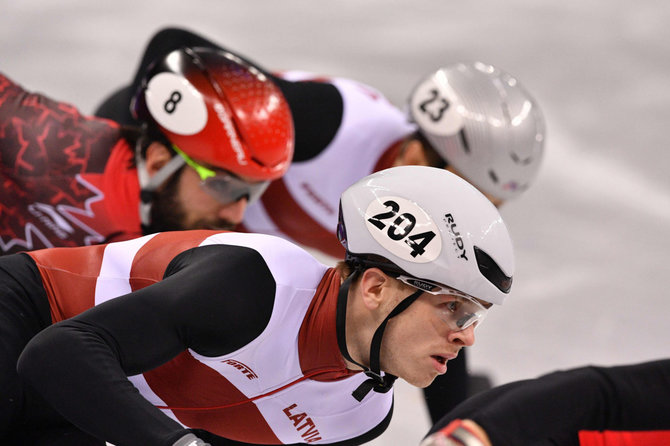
431	225
484	123
220	110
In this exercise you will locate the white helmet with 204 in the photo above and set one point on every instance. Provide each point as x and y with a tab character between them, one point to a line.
432	225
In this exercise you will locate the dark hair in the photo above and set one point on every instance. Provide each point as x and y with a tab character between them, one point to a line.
364	261
434	158
359	263
143	135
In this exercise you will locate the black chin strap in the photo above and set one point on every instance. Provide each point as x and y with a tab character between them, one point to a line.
148	185
376	381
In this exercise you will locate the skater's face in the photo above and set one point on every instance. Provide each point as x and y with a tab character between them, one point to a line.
198	196
417	342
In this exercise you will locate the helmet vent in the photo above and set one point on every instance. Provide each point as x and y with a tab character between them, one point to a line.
524	162
493	176
506	109
490	269
464	141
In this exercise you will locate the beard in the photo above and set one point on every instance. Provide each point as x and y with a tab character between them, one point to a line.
168	214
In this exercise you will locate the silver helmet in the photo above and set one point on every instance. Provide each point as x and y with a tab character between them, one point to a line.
483	123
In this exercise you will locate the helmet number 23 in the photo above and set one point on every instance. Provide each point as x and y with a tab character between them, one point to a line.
401	227
437	103
171	104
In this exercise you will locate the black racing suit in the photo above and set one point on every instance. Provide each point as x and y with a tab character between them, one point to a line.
557	408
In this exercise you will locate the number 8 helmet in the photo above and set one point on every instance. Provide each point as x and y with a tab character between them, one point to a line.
481	121
429	224
220	110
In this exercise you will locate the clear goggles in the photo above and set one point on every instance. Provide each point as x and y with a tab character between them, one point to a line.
224	186
459	311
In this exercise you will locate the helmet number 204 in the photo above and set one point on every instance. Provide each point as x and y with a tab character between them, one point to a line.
400	228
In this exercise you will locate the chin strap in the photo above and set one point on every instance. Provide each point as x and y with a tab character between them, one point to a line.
376	381
148	185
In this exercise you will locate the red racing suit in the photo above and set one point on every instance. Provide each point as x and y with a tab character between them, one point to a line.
67	179
227	332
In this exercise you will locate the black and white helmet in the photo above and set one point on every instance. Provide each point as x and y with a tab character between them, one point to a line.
484	123
431	225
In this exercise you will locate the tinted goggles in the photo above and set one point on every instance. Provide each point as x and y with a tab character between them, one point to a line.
459	311
224	186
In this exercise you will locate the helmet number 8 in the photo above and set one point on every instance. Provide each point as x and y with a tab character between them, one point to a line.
401	227
171	104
